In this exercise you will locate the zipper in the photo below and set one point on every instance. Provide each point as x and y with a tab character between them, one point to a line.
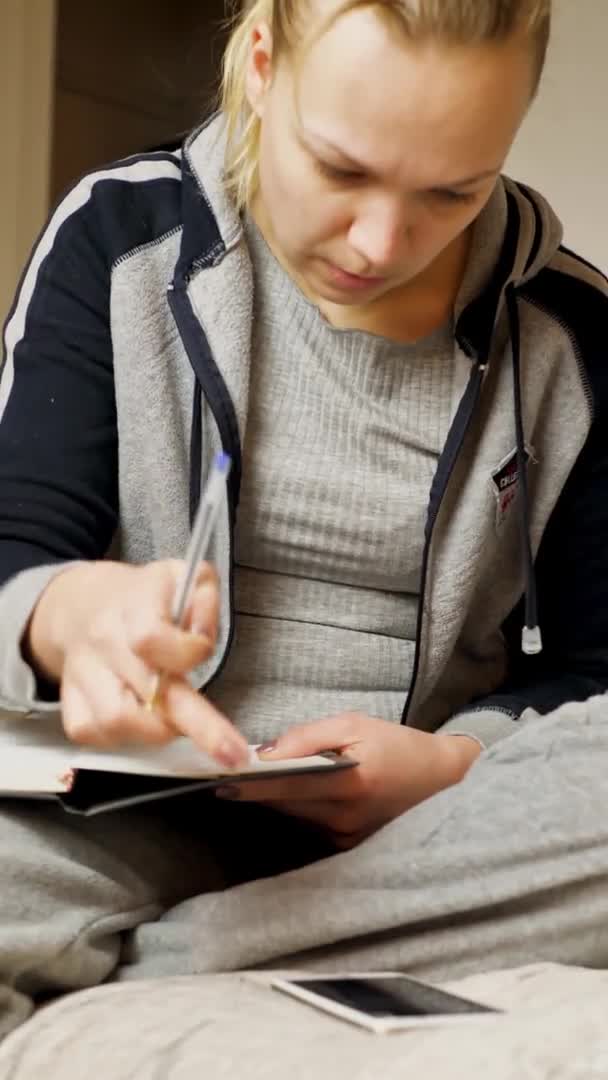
208	380
501	709
445	468
199	187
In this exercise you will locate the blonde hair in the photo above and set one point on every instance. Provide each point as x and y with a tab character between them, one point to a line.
457	22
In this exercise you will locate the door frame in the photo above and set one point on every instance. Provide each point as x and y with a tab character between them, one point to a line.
27	62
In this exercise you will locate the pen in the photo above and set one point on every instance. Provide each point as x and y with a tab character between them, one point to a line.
202	531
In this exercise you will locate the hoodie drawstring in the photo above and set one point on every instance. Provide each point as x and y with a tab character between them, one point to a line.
531	640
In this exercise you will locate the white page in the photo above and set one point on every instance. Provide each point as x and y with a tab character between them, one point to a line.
35	756
180	758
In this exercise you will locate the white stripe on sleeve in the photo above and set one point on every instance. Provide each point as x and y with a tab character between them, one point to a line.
150	168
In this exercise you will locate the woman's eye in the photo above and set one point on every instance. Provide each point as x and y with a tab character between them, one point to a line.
332	172
447	196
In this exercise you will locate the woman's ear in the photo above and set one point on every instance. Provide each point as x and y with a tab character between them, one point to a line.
258	76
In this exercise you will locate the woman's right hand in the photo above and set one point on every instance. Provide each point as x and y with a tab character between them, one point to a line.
103	631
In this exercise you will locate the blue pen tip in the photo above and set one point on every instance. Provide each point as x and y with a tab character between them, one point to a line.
222	462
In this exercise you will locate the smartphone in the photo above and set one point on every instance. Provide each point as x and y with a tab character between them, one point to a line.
383	1001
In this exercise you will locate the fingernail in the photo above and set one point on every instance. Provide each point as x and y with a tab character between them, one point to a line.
229	791
267	748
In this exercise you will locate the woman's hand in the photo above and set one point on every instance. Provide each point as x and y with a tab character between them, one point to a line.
397	768
104	631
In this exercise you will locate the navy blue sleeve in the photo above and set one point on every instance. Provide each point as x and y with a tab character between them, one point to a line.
58	433
572	563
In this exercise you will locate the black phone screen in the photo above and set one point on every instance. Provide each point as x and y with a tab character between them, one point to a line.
395	996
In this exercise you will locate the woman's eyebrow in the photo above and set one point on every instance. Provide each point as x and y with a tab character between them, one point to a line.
311	137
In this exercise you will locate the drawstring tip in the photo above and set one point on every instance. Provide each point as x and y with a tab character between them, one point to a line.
531	640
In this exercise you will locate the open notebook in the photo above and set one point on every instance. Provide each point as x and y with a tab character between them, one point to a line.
37	761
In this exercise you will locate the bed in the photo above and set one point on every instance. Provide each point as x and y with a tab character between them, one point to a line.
237	1026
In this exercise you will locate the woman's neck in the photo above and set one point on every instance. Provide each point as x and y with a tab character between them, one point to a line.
407	313
414	310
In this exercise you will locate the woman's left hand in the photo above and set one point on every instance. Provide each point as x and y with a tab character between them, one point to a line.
397	768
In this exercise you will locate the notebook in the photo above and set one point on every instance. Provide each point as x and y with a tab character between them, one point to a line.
38	762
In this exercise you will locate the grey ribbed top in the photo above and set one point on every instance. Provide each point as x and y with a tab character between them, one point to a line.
343	434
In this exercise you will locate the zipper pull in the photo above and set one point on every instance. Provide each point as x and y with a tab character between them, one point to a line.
531	640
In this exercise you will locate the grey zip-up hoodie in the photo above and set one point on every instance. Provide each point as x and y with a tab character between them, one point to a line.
127	366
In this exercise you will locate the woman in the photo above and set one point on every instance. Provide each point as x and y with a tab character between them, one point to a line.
332	282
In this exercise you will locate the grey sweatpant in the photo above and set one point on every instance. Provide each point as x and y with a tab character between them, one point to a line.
509	867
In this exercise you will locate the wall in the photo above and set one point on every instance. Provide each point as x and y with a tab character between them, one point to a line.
85	83
130	74
562	149
26	63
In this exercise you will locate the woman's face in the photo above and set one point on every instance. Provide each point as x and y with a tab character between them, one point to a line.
377	154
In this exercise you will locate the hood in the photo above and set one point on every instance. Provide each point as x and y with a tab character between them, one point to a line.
514	238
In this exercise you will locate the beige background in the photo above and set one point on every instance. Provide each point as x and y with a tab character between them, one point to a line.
562	149
123	75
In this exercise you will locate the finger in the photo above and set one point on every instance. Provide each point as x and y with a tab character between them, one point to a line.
346	841
166	578
204	610
341	821
332	733
316	813
320	811
76	713
130	669
193	715
89	690
340	785
164	647
136	725
151	634
113	715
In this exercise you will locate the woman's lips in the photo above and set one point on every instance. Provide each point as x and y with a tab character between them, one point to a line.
345	280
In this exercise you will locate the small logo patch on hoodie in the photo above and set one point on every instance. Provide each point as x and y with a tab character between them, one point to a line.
505	483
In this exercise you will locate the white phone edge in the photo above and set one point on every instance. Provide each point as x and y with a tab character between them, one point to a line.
378	1025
